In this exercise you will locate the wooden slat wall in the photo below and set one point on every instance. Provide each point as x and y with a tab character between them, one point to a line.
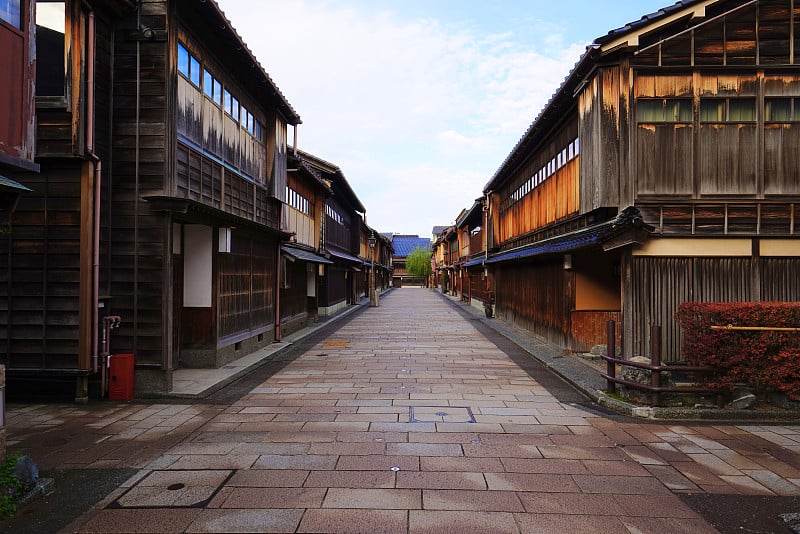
40	274
661	284
603	114
589	328
137	235
293	299
537	297
779	279
333	286
246	277
478	285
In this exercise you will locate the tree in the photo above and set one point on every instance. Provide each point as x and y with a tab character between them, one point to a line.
418	263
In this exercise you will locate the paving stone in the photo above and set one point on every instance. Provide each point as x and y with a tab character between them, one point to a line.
351	479
437	480
488	501
620	485
573	524
424	449
275	498
530	482
336	521
570	503
140	520
264	520
446	522
382	499
305	461
267	478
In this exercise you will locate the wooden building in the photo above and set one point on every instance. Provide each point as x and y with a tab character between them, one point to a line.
340	239
474	276
403	245
302	260
163	158
665	169
377	260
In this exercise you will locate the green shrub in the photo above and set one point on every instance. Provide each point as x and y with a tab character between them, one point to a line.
11	488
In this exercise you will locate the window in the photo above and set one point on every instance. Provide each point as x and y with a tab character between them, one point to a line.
208	83
10	13
664	110
286	279
51	70
194	71
728	110
782	109
188	65
235	109
183	60
226	101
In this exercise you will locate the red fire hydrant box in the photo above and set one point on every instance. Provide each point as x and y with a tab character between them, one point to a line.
120	377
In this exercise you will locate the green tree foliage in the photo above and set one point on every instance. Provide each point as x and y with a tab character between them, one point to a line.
418	263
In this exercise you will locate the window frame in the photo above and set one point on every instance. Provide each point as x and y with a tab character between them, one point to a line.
8	24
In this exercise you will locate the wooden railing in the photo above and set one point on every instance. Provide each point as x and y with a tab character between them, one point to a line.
655	367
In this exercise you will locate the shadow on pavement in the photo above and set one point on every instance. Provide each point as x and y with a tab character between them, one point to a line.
73	493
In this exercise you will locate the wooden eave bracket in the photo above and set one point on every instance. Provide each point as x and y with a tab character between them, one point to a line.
634	236
631	39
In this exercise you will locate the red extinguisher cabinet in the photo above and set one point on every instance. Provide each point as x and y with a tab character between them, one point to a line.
120	377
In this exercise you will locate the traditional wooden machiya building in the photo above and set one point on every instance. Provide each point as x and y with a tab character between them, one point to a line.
375	250
475	282
163	156
665	169
302	263
340	239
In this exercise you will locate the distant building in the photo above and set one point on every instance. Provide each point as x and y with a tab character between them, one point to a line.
403	246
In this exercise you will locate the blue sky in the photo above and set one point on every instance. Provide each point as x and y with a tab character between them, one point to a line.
420	101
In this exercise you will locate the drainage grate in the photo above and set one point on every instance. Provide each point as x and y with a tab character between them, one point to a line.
440	414
174	489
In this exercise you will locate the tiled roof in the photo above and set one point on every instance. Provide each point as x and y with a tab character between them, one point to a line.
586	237
304	255
404	244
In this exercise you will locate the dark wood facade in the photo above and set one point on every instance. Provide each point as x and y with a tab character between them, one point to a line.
163	156
688	116
340	236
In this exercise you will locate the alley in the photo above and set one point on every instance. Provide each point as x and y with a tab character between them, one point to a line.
407	419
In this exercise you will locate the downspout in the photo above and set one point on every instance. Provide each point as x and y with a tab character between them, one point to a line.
98	166
278	283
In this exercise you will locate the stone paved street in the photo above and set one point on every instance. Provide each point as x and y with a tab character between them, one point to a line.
405	419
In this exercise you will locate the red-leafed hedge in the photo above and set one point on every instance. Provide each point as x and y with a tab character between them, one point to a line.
764	360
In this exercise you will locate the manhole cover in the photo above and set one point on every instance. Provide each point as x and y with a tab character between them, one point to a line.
174	489
440	414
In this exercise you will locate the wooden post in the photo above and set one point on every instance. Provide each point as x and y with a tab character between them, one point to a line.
611	351
655	359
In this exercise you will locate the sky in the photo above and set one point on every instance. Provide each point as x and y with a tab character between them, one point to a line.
419	102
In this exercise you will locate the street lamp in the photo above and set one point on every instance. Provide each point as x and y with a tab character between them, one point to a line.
373	293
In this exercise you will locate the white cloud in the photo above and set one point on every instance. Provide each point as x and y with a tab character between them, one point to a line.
418	113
